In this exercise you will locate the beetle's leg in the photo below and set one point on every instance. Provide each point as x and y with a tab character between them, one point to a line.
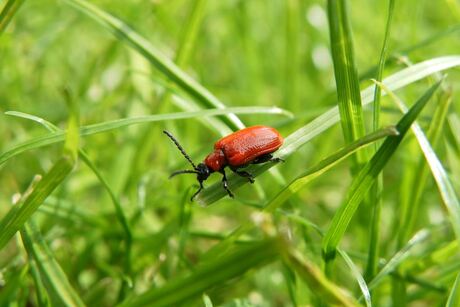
266	158
225	183
244	174
199	190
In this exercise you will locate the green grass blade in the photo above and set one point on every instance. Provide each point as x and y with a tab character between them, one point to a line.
127	281
327	291
211	273
366	177
10	8
18	215
399	257
58	287
59	136
346	74
454	296
353	268
375	196
156	58
445	187
324	165
72	138
357	275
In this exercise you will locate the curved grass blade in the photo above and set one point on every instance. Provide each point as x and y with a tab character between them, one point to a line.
10	8
19	214
454	296
54	279
366	177
445	187
399	257
353	268
154	56
213	272
59	136
324	165
118	209
320	124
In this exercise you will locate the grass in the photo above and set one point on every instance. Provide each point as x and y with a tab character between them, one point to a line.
356	215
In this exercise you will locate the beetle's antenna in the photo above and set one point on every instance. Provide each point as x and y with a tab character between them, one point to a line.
181	150
182	172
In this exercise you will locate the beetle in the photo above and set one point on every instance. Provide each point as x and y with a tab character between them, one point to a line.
252	145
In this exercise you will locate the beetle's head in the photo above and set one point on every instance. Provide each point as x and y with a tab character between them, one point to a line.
201	170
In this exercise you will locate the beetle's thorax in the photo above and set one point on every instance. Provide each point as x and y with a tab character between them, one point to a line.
216	161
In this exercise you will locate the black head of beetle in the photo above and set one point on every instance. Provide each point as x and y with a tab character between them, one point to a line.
201	170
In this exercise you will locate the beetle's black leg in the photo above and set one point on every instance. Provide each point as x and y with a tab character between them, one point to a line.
225	183
199	190
266	158
244	174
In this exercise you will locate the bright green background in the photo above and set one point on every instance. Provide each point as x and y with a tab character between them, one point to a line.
247	54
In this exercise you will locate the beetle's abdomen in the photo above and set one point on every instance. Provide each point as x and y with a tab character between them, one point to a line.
244	146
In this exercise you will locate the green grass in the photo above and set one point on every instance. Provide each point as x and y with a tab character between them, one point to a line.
364	212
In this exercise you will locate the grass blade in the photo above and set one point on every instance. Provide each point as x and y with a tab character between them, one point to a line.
59	136
327	291
353	268
54	279
440	176
454	296
118	208
156	58
212	273
399	257
375	196
346	75
18	215
324	165
10	8
366	177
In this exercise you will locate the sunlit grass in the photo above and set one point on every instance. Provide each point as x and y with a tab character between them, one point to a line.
88	215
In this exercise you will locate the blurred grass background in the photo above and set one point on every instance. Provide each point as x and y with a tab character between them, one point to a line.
246	53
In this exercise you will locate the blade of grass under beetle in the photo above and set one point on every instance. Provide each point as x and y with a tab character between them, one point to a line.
214	192
454	296
445	187
58	287
209	274
346	76
320	124
324	165
366	177
160	61
59	136
10	8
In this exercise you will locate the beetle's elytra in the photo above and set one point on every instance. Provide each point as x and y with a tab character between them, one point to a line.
252	145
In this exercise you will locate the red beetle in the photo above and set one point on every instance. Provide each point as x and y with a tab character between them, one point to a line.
251	145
